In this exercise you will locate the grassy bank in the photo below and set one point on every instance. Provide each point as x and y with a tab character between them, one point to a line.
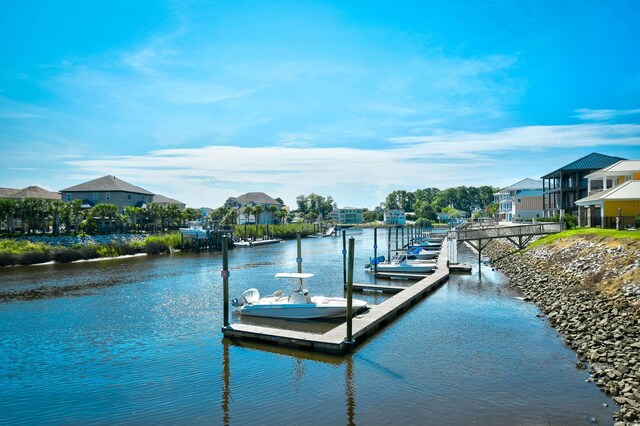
13	252
286	232
588	233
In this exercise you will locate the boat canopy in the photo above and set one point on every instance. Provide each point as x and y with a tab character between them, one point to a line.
293	275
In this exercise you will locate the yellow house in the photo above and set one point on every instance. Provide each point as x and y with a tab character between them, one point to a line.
614	196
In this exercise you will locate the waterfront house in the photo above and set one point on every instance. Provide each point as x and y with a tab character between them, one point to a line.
108	190
166	201
346	215
564	186
253	199
29	192
522	200
395	217
614	196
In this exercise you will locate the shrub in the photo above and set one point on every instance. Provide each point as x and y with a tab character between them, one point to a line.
156	245
66	255
7	258
32	257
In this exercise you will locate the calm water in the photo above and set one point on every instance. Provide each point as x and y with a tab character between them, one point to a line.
139	341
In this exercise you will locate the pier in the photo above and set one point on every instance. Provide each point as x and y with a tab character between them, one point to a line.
360	328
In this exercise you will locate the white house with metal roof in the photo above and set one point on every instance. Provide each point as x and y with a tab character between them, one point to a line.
522	200
253	199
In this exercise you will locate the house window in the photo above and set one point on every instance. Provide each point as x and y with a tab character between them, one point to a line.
69	197
108	195
95	196
128	196
519	200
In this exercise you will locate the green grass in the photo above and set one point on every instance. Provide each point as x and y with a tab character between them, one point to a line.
19	247
587	232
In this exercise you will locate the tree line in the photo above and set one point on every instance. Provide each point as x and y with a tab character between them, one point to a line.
37	214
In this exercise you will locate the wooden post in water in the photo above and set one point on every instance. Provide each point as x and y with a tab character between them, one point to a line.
299	257
344	256
389	246
225	280
402	229
480	258
375	251
396	237
352	242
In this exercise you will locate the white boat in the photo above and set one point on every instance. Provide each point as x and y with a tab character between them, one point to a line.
401	264
258	242
418	253
194	229
297	305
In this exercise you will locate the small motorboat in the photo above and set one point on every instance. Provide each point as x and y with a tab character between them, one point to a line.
418	253
403	265
297	305
194	230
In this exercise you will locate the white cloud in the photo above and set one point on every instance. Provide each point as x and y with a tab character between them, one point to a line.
604	114
210	174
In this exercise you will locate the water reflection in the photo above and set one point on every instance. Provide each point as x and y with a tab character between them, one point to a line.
298	358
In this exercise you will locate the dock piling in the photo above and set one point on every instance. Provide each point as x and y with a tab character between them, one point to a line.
299	257
350	291
375	251
225	279
344	256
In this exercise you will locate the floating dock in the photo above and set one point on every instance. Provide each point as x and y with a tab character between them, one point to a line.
363	325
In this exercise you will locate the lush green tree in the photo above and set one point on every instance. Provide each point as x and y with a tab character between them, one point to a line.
231	217
303	206
273	209
256	211
33	212
75	210
282	214
104	212
247	210
55	210
400	199
192	214
8	210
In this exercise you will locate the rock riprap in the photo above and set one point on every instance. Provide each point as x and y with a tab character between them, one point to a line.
589	291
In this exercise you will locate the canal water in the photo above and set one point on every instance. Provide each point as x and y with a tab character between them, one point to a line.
138	341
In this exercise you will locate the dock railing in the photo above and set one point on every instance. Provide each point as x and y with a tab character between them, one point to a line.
506	231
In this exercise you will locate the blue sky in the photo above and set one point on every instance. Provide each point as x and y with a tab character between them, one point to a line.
204	100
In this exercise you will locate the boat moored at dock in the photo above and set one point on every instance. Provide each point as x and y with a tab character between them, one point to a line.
297	305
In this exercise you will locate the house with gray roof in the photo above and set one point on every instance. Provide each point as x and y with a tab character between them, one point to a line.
568	184
29	192
108	190
166	201
252	199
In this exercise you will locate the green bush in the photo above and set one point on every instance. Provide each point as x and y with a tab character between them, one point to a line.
33	257
66	255
7	258
155	245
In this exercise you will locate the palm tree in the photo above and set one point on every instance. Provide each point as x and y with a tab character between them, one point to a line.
8	208
282	214
173	213
273	209
256	211
33	212
55	209
231	217
105	212
75	209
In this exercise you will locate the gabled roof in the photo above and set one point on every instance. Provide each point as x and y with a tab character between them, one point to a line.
593	161
36	192
620	168
7	192
524	184
255	198
107	183
629	190
157	198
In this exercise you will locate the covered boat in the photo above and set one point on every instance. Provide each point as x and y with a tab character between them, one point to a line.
296	305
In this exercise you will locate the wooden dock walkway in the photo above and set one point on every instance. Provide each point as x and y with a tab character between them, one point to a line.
363	325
